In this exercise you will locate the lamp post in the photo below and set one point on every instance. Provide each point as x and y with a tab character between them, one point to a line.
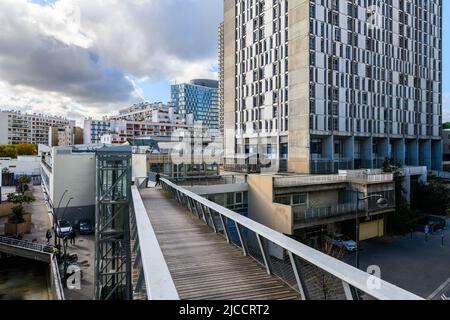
381	202
55	217
64	212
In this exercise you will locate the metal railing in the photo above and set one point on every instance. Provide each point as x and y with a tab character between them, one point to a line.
303	268
302	213
308	180
24	244
152	277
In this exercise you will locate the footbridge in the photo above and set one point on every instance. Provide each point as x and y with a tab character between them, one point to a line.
187	247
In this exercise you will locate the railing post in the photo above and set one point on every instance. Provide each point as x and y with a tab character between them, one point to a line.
140	280
264	253
298	277
225	228
138	259
211	217
241	238
349	291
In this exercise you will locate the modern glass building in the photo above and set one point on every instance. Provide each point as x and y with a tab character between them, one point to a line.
200	97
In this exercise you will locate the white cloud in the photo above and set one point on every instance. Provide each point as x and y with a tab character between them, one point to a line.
79	56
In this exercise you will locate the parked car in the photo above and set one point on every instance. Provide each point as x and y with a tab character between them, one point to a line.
86	227
436	223
342	241
64	228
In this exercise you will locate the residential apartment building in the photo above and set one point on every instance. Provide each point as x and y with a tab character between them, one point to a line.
65	136
323	85
221	77
154	112
17	127
200	98
140	120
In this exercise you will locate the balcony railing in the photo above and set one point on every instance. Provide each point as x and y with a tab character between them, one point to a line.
282	256
308	180
303	214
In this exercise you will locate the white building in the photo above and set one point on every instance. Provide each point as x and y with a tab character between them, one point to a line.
16	127
140	120
22	166
71	169
333	84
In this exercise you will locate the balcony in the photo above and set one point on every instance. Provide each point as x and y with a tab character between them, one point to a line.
303	214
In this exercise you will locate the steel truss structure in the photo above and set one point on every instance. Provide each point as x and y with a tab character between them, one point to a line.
112	226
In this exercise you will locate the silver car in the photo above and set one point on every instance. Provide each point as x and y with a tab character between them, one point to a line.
342	241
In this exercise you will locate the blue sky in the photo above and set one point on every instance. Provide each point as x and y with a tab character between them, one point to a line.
141	48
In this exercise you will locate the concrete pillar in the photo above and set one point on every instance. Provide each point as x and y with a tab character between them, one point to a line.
412	148
367	153
436	155
383	148
328	152
398	150
383	152
406	186
349	150
425	153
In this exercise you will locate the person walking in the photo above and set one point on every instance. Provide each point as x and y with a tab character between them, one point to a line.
72	237
158	179
48	235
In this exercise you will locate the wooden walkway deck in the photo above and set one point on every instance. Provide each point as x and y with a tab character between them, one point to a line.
203	265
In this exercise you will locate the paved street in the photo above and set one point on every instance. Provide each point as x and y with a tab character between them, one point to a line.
413	264
85	249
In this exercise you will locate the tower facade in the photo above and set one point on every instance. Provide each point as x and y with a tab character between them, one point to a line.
323	85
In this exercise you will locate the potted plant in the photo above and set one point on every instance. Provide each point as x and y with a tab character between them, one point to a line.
23	184
20	221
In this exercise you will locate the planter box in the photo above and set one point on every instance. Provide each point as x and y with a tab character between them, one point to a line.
6	209
27	217
20	229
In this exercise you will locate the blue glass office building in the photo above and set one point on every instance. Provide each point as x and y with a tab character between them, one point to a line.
200	97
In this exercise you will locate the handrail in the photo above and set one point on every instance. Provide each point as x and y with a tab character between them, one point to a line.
44	248
154	271
349	275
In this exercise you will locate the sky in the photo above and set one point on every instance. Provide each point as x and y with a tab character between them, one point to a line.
79	58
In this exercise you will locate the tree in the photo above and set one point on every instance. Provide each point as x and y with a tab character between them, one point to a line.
401	221
8	151
26	149
431	198
446	125
23	183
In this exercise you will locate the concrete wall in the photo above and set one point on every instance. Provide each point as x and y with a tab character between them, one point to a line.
323	199
28	165
75	173
229	74
299	138
139	165
261	207
3	128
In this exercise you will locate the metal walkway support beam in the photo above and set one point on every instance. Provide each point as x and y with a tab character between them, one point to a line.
270	242
112	226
